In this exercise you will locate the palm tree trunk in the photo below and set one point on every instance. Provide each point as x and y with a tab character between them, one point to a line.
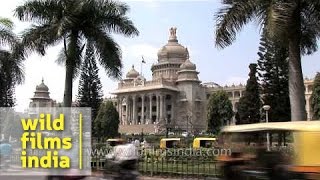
67	99
70	51
296	85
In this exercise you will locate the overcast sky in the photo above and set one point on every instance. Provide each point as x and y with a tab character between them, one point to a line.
195	29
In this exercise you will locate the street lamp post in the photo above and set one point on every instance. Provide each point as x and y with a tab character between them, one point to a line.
267	108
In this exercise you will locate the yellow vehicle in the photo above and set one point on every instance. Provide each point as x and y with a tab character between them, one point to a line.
114	142
303	164
204	142
169	142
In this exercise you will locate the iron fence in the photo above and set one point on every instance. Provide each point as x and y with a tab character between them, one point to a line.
157	162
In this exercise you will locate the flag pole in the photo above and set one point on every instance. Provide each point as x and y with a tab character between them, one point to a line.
142	61
141	69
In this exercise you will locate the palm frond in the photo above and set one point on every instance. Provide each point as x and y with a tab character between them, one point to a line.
109	15
40	11
38	38
7	37
7	23
231	18
107	50
13	68
280	19
310	27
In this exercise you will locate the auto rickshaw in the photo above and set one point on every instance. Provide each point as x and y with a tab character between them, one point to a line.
304	163
203	142
169	143
114	142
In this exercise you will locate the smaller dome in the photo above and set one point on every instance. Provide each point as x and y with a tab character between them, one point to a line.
42	87
188	65
132	73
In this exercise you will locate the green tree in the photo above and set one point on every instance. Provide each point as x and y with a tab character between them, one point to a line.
250	104
106	125
293	22
219	111
11	67
273	74
315	98
74	22
90	92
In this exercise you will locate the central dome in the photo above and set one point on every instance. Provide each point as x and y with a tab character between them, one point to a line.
172	49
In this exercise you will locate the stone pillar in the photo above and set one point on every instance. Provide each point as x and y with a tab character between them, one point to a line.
134	110
158	107
172	107
119	110
127	110
150	108
308	108
142	109
161	107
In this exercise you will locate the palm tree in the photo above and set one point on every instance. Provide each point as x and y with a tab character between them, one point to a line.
75	22
11	67
294	22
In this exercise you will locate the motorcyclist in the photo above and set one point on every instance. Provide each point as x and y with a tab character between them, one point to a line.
125	156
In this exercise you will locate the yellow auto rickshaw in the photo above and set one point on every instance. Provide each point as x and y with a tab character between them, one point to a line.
169	143
114	142
203	142
304	163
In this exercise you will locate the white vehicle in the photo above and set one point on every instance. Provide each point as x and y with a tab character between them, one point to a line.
185	134
171	133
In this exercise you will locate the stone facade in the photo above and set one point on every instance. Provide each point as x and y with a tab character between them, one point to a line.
175	98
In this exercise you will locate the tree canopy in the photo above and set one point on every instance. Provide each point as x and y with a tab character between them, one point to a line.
295	23
273	74
219	111
106	124
315	98
90	92
11	67
74	23
250	104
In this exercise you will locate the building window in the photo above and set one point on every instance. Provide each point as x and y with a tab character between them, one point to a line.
154	118
310	87
169	118
168	97
168	107
154	108
230	94
139	109
236	94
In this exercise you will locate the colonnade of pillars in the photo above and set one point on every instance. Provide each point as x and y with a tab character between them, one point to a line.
145	108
